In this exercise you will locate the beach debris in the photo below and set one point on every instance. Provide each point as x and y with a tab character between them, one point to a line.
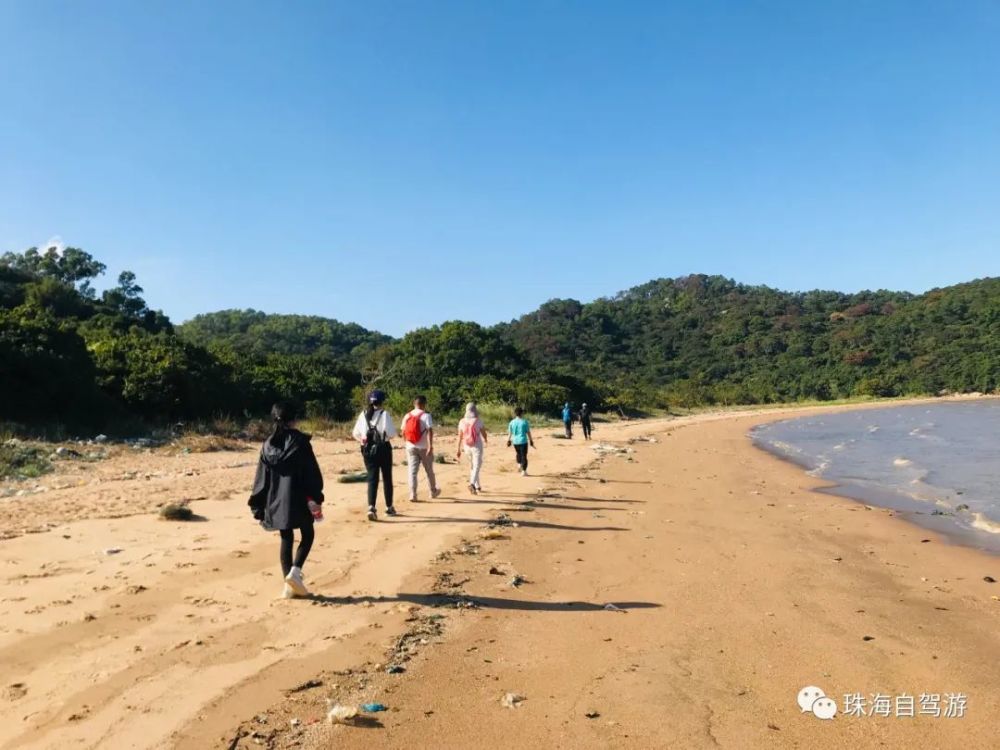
924	541
495	571
989	579
340	714
868	638
102	438
517	580
373	708
512	700
294	722
503	520
307	685
593	714
395	669
606	449
609	607
113	551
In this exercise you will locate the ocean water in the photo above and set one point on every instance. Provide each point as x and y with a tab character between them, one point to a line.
937	464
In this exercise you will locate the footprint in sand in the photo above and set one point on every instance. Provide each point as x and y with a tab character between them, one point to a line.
15	691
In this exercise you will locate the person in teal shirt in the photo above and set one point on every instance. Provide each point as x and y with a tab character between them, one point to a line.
519	435
567	415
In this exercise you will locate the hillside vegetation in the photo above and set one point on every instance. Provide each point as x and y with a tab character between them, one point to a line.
83	360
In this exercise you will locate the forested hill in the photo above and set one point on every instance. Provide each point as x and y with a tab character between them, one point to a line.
704	339
257	334
73	357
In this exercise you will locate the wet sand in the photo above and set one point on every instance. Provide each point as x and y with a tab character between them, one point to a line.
739	586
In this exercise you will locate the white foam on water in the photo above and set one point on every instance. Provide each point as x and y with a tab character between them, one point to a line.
981	522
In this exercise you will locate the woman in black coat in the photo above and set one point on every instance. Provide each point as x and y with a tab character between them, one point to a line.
288	481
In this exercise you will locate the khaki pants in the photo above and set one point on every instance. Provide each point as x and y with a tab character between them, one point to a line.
475	454
415	458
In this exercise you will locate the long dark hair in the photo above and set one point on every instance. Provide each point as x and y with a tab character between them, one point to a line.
283	414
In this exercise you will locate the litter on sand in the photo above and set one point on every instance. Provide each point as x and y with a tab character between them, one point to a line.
373	708
512	700
605	448
338	714
614	608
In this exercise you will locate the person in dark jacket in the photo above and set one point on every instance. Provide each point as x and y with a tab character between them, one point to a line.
288	481
585	417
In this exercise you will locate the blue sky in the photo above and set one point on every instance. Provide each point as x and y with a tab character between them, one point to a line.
400	164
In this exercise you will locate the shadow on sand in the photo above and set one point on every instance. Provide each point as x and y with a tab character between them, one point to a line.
486	602
522	523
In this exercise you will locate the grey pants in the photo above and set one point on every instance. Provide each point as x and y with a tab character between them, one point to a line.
415	458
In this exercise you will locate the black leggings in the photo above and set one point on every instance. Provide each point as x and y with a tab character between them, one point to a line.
381	464
305	544
521	451
586	429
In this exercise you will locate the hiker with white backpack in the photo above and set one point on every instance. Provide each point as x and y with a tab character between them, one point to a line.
418	432
472	438
374	429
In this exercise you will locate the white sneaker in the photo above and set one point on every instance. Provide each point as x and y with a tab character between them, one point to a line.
524	472
287	592
294	581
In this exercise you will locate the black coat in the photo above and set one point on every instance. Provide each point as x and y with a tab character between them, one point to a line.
287	477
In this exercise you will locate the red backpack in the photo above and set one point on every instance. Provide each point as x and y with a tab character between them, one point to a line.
413	430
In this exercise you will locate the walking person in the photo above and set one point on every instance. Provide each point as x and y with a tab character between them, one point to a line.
418	432
585	416
567	417
287	494
472	438
519	435
374	429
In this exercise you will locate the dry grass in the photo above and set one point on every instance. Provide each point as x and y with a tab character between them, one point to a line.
209	444
353	477
176	512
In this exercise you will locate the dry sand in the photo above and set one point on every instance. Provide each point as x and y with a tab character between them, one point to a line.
740	584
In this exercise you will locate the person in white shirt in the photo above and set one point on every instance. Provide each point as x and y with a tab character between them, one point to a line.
417	428
374	429
472	438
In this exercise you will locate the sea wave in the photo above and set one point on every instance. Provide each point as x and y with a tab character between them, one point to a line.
984	523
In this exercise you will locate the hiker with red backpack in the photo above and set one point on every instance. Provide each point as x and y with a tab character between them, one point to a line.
472	438
418	432
374	429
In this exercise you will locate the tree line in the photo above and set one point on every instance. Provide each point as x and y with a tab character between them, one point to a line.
71	356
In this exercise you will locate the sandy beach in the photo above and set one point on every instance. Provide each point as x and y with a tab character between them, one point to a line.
733	584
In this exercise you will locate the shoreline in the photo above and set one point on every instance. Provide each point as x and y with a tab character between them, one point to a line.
947	523
571	659
740	584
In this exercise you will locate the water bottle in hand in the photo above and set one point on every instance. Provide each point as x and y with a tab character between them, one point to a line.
316	509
